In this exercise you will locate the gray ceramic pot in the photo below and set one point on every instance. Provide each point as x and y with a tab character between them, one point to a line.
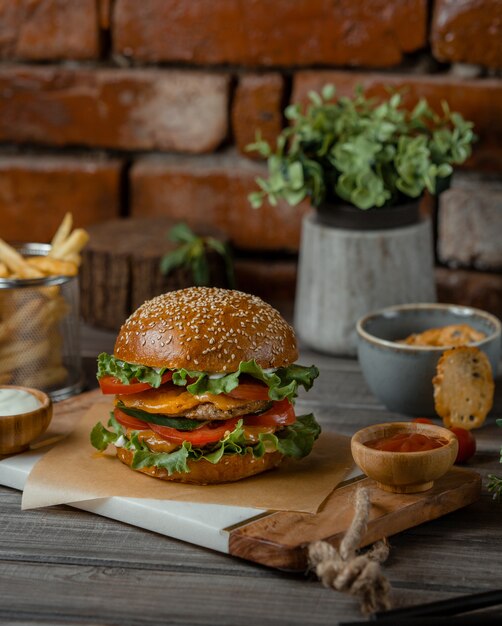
400	375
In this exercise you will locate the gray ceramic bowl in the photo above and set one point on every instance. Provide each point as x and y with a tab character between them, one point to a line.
400	375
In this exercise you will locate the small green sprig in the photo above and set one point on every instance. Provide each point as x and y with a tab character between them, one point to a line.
495	486
495	482
360	151
192	254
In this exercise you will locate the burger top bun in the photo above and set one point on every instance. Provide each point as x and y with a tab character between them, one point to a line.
206	329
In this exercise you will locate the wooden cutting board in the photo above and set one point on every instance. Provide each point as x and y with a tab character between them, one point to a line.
276	539
280	539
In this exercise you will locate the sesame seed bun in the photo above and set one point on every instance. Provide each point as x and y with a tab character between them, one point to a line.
230	468
206	329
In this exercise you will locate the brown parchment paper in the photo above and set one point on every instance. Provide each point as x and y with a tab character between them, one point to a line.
73	471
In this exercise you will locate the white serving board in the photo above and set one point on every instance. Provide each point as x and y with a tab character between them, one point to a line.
201	524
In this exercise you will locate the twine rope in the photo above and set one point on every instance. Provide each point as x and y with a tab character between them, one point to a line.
347	571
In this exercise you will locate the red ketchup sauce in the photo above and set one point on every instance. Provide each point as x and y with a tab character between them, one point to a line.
406	442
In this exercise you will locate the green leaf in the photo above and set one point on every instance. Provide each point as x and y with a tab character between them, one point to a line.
102	438
295	441
200	269
283	383
379	150
328	92
256	199
174	259
181	233
108	365
295	173
315	98
173	462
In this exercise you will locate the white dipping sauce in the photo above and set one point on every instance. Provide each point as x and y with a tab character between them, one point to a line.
17	401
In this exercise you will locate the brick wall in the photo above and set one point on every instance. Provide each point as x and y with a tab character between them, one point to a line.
120	107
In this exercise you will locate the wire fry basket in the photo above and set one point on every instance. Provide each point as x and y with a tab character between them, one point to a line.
40	331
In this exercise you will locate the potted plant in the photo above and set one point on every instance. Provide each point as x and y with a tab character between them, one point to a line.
364	166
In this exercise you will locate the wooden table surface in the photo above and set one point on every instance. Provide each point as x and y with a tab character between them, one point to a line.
63	566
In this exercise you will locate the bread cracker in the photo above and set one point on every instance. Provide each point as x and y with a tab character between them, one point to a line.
459	335
452	335
463	387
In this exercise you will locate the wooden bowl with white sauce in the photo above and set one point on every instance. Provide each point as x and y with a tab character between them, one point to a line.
25	414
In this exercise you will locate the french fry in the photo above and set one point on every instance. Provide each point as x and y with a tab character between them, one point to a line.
47	377
31	315
74	258
31	343
62	232
16	263
20	353
24	317
53	267
5	378
73	245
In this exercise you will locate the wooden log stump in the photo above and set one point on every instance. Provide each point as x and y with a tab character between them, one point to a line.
121	268
345	274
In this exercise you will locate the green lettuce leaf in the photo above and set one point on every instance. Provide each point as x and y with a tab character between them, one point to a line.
295	441
171	461
283	383
108	365
102	438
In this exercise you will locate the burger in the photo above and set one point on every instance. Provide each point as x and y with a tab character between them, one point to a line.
205	381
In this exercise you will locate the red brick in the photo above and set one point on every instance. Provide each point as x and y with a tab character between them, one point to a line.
36	191
124	109
257	107
478	289
265	33
470	223
49	29
212	191
479	100
468	32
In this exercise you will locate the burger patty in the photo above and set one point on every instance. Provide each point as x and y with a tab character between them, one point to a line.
207	411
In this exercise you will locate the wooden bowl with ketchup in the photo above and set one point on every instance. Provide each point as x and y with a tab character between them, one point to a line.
404	457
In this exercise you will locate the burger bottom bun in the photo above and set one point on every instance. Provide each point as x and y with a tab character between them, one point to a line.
231	467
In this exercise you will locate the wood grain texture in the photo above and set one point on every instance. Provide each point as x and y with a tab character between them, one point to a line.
121	268
85	569
279	540
343	274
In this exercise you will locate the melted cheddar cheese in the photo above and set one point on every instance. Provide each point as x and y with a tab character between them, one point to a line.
155	442
176	401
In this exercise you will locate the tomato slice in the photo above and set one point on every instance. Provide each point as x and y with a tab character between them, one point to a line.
129	422
250	391
281	414
112	385
208	433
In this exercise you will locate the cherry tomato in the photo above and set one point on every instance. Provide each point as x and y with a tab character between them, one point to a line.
466	444
111	385
250	391
281	414
208	433
129	422
422	420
